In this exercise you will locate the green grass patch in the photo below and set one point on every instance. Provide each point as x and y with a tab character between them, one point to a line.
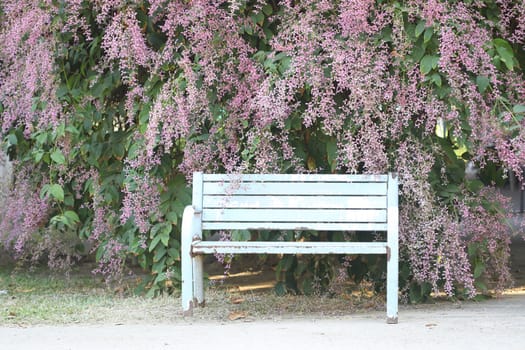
43	297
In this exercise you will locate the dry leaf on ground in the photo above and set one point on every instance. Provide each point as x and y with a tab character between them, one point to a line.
238	300
236	315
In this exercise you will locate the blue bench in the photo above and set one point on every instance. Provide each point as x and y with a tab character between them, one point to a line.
289	202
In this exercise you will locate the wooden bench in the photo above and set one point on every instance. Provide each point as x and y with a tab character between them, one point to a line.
289	202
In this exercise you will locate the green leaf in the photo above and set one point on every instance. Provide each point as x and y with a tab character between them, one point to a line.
428	34
118	150
160	233
159	266
72	130
478	270
331	153
59	219
428	63
474	185
159	253
59	131
57	192
165	237
58	157
258	18
505	52
285	64
267	9
37	156
417	53
161	277
172	217
133	150
248	29
100	252
156	39
11	138
154	243
518	109
498	42
241	235
41	138
473	249
482	82
480	286
420	28
280	289
415	294
307	286
72	216
174	253
155	230
69	219
436	79
44	191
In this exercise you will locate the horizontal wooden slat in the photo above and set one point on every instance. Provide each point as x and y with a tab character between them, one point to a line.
297	202
295	215
294	226
289	247
294	178
297	188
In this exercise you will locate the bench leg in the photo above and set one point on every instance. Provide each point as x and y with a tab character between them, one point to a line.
392	266
198	280
392	277
186	261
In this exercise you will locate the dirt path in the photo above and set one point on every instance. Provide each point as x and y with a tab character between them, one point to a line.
498	323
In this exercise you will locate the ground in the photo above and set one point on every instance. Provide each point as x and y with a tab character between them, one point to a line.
497	323
242	314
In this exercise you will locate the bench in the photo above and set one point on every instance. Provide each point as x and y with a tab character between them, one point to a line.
288	202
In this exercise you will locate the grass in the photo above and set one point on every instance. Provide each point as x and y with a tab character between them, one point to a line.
44	298
41	298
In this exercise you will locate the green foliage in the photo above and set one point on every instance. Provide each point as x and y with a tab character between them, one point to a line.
87	163
505	53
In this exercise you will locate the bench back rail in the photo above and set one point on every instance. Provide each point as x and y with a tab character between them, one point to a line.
289	202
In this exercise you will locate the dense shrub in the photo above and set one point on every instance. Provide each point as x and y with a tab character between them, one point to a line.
108	106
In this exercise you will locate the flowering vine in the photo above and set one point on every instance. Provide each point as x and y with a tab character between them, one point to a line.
113	104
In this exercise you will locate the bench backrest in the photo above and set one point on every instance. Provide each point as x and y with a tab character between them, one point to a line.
294	202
